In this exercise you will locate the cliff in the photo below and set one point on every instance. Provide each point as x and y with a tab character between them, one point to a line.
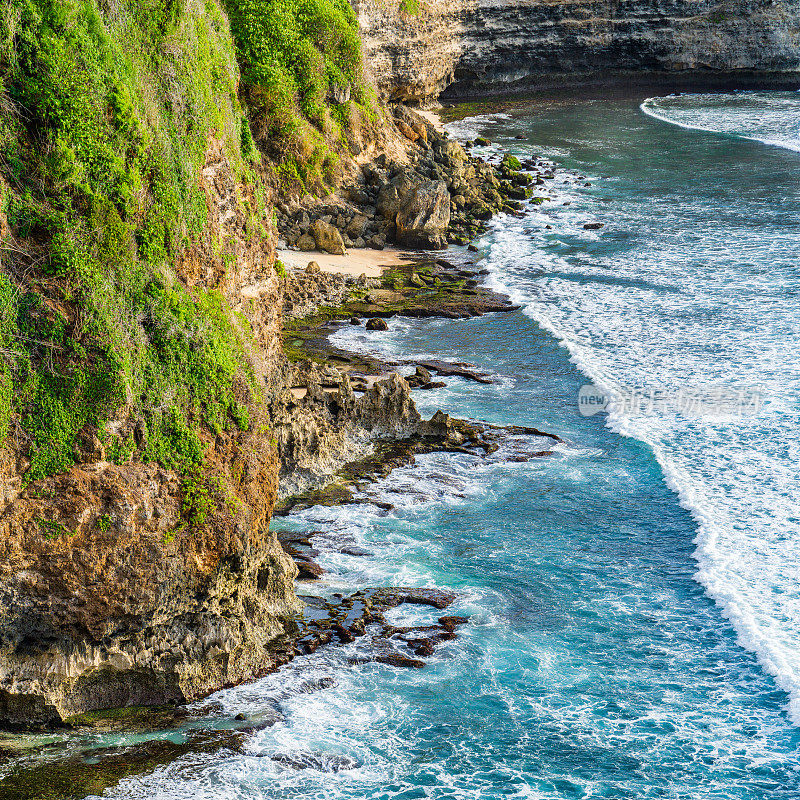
478	46
148	409
145	398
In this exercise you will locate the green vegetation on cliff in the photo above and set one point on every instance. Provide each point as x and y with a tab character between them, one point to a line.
301	65
107	114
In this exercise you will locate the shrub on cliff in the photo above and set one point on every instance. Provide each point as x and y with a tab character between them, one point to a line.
105	121
107	113
301	63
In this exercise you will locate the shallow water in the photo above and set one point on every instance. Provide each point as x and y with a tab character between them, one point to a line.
621	645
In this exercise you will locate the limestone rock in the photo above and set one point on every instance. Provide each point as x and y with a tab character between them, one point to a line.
425	217
306	243
394	196
407	131
327	238
491	46
357	226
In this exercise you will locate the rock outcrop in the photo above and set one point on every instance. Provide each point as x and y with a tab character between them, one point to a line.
435	194
424	218
494	45
110	596
412	56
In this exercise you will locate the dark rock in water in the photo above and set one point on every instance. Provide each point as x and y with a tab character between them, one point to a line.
308	570
345	634
390	597
293	537
420	379
522	430
240	717
593	226
399	660
324	762
472	248
481	141
317	685
312	641
352	550
355	321
422	647
450	369
303	552
78	776
377	324
450	623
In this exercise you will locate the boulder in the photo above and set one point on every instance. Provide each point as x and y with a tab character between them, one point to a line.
327	238
425	217
407	130
306	243
308	570
313	268
394	195
377	324
357	226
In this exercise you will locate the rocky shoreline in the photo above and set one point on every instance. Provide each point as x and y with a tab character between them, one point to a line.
342	421
439	194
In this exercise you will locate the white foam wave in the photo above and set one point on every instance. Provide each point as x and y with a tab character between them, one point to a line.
777	652
715	120
646	317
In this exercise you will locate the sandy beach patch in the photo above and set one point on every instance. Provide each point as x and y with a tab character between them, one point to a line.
432	117
371	263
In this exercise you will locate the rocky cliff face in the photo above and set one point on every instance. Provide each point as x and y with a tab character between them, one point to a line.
146	405
109	597
495	45
413	56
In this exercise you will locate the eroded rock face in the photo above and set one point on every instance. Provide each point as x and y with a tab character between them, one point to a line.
481	45
109	596
425	216
412	57
109	600
322	423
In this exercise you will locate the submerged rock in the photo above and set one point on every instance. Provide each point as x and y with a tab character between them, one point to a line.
324	762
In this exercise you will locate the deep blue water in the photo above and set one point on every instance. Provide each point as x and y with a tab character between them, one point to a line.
633	598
